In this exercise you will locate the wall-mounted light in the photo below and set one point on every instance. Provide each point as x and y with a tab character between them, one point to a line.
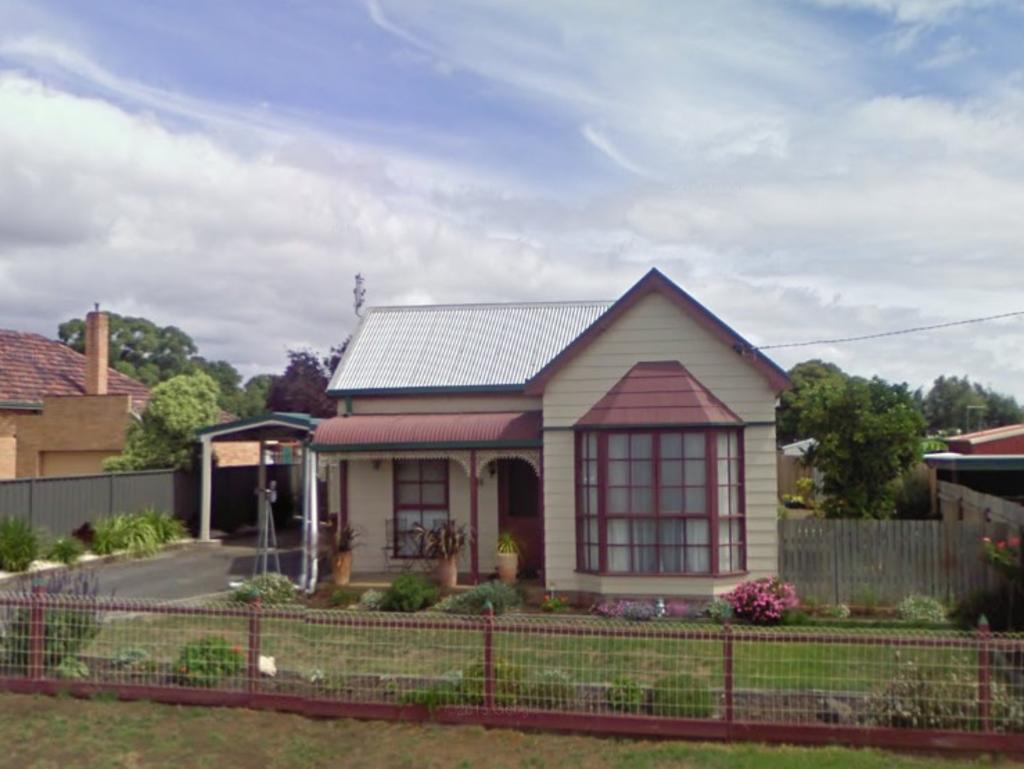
376	464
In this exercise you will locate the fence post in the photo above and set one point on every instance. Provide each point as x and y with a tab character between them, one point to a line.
727	657
253	679
984	687
488	657
36	633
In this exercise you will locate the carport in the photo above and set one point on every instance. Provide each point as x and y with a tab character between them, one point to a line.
265	429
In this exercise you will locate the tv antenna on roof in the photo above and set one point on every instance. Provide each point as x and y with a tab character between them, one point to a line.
359	293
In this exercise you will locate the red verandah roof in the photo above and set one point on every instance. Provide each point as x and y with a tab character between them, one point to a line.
359	431
658	393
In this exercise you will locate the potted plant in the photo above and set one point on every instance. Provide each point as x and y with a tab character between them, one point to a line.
341	562
443	544
508	558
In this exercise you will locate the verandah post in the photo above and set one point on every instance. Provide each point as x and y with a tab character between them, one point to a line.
727	659
253	680
984	686
488	657
36	633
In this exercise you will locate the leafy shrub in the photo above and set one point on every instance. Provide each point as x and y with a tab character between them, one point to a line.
437	695
719	610
19	545
508	683
65	550
551	688
501	597
209	660
166	528
72	669
921	610
839	611
795	617
554	604
682	696
936	697
625	695
133	533
126	658
268	589
342	598
371	600
408	593
762	601
67	628
1002	606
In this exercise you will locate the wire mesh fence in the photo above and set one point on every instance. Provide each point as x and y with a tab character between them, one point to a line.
521	667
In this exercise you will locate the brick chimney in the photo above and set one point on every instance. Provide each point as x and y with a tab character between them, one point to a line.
97	345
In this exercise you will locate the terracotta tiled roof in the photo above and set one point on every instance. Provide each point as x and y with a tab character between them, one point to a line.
655	393
32	366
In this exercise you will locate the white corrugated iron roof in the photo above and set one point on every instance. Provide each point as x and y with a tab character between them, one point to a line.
467	345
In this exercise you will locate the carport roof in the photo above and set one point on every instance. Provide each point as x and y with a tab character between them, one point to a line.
272	426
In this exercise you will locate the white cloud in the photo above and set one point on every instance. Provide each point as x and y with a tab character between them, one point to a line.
930	11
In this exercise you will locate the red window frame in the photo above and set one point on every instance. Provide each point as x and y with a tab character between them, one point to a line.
585	514
419	482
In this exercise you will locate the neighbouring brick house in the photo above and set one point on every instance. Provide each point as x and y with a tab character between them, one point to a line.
61	412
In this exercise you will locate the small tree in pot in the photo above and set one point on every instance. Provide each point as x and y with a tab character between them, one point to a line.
341	562
443	543
508	558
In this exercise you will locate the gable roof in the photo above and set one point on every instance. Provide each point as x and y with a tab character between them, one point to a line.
658	393
33	367
986	436
451	347
654	282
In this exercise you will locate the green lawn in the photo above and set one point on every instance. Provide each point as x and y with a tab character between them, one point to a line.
62	733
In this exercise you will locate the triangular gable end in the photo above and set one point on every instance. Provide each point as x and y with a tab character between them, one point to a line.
655	282
658	393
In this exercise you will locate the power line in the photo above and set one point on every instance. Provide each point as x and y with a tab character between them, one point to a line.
914	330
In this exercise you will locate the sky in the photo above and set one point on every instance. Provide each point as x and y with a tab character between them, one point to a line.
807	169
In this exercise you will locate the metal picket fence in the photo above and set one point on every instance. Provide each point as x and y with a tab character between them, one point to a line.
943	690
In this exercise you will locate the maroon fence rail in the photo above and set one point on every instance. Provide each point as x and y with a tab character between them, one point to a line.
915	690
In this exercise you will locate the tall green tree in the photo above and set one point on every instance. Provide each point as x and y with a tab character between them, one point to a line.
868	434
164	437
805	377
955	404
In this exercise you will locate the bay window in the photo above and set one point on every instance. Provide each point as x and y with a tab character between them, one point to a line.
660	501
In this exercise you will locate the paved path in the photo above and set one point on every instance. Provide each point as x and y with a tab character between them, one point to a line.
197	570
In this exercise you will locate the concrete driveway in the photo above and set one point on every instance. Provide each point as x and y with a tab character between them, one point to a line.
191	572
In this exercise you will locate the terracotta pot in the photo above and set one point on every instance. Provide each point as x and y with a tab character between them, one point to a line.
341	567
508	567
447	572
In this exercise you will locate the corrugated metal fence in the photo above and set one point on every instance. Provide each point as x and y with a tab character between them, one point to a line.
61	505
853	561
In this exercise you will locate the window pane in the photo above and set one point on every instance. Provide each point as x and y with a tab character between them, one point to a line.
671	501
645	559
696	532
640	501
590	445
734	500
736	531
592	530
406	519
723	500
722	444
618	501
640	473
408	493
434	518
671	446
672	559
590	472
645	532
592	500
671	473
734	445
723	533
618	532
618	559
696	500
407	471
696	472
698	559
435	471
734	471
433	493
736	555
595	557
694	445
723	471
671	533
640	446
618	473
618	447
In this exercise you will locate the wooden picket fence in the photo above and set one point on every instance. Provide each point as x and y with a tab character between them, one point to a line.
857	561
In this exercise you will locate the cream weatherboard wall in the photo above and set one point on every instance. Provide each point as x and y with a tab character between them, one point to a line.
655	329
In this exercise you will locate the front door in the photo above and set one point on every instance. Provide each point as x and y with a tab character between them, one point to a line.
519	513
